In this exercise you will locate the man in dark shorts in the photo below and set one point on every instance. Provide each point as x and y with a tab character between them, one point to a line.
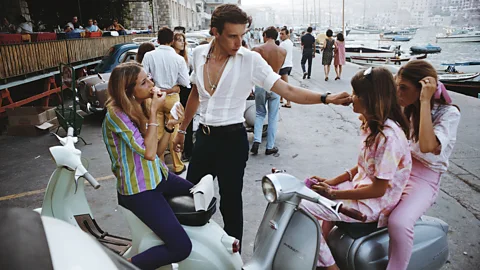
308	52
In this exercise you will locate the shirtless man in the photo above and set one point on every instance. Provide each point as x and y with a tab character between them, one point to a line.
275	57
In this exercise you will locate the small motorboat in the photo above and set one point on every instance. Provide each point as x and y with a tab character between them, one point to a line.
464	35
401	38
425	49
465	67
381	61
469	87
457	76
360	50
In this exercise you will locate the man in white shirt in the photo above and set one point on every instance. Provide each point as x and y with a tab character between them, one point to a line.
286	69
224	74
167	69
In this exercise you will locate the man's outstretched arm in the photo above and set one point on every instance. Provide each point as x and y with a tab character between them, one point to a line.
304	96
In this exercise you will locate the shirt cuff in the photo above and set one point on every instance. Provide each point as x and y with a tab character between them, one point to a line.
270	81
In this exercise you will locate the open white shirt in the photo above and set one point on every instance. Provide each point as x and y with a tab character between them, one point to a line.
166	67
288	46
445	120
227	104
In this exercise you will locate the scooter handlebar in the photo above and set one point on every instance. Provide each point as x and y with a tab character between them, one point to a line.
91	180
350	212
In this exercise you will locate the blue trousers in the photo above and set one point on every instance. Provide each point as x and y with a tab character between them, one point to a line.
152	209
262	98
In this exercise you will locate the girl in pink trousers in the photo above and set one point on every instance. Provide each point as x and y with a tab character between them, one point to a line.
375	185
434	125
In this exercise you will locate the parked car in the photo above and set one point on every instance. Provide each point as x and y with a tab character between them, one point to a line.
114	56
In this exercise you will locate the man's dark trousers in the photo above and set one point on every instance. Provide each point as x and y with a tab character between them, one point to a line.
223	155
307	55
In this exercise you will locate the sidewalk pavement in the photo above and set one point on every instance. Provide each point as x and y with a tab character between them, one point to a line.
313	140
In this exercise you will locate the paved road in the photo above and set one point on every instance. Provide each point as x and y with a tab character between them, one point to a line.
314	139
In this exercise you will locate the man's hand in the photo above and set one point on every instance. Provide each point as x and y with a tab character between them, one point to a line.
178	142
343	98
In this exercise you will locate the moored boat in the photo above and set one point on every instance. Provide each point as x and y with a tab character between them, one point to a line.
381	61
464	67
467	87
451	77
401	38
360	50
425	49
459	36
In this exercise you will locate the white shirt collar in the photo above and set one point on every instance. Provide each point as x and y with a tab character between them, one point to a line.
165	47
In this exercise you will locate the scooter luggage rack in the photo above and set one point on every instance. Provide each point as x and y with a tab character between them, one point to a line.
115	243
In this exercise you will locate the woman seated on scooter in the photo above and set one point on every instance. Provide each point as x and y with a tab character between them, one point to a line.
130	135
375	185
434	124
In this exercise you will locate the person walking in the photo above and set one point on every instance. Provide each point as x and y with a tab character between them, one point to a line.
223	76
327	53
339	55
308	52
286	69
275	57
168	69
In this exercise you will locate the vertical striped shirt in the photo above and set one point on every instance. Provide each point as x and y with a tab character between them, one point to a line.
126	148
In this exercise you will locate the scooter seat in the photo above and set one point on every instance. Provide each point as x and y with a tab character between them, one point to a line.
358	230
184	209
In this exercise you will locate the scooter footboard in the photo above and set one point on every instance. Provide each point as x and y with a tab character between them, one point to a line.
430	247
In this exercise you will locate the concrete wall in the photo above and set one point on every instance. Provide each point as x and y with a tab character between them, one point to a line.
169	13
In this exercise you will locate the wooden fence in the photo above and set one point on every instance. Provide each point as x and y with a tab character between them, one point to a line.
27	59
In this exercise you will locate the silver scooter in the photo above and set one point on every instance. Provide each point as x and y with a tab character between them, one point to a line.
288	237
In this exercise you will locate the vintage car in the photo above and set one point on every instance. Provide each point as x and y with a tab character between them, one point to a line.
114	56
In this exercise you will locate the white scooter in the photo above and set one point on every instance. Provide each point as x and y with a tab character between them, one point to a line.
65	199
288	237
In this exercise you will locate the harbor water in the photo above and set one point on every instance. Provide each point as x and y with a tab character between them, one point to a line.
451	52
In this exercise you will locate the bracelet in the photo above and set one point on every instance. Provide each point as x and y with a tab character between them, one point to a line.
349	175
323	97
182	132
169	130
152	124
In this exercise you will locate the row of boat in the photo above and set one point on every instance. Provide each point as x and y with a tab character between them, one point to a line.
461	77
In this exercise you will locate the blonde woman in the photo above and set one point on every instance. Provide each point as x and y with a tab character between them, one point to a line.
143	180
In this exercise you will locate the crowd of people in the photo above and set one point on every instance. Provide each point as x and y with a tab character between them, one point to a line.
407	122
92	26
25	27
22	27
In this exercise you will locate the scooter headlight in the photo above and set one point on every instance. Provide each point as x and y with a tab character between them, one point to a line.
269	190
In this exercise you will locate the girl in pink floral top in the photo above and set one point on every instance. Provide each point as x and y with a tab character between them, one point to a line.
375	185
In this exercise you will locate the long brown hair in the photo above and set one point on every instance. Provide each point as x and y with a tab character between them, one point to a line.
120	94
377	92
414	71
143	49
184	52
